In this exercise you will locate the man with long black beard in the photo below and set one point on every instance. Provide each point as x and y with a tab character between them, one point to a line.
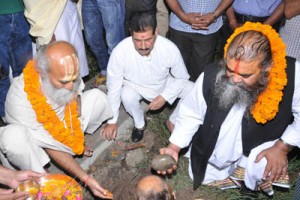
47	113
242	114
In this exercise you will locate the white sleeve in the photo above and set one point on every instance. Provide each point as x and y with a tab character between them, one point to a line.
292	133
190	116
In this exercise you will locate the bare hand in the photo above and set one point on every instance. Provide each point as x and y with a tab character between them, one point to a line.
157	103
7	194
20	176
96	188
203	21
173	151
276	161
192	18
109	131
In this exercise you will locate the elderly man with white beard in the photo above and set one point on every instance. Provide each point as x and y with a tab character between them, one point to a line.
242	114
47	114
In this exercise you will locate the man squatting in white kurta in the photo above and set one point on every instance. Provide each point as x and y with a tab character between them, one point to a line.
143	66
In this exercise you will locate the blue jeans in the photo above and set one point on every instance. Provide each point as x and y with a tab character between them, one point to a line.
103	19
15	50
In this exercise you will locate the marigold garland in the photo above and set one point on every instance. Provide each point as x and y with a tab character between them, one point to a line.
72	137
268	101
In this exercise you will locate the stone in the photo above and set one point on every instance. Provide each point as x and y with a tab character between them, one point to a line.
162	162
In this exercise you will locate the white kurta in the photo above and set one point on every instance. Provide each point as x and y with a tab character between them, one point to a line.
68	29
61	18
161	73
228	148
23	140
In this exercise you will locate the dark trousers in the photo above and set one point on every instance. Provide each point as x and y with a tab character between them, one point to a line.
297	189
137	5
196	49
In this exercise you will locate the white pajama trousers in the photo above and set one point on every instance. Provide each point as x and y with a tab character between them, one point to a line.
131	100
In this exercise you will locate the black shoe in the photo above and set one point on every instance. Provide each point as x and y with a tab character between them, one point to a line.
137	134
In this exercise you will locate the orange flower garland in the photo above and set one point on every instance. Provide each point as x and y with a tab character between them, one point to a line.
268	101
72	136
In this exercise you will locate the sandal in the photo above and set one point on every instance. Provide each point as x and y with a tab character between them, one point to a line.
99	80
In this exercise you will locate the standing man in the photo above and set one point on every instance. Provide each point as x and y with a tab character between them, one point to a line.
248	105
47	114
103	22
55	20
137	6
290	32
15	44
144	66
194	28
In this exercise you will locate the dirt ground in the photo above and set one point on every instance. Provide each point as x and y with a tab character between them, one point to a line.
119	176
120	172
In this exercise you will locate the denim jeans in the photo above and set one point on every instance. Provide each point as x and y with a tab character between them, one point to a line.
103	22
15	50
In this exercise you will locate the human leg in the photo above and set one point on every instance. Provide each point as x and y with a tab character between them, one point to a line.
19	150
184	44
162	16
131	100
20	44
93	29
113	21
132	6
95	110
15	50
68	29
203	52
254	172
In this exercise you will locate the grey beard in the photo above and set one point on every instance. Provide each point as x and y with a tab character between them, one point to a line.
61	96
228	93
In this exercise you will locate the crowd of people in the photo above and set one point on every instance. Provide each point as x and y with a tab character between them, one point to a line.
246	101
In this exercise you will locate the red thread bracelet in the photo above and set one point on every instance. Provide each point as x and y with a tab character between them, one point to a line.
85	180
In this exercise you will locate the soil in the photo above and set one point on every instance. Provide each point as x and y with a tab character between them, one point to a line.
117	176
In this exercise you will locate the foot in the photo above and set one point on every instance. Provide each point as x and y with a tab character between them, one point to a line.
99	80
266	187
88	151
137	134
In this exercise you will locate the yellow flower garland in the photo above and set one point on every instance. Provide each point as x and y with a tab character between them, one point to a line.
72	137
268	101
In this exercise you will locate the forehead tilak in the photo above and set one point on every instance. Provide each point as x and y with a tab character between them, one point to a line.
70	64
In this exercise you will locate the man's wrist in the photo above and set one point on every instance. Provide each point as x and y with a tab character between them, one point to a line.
215	16
174	147
285	146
